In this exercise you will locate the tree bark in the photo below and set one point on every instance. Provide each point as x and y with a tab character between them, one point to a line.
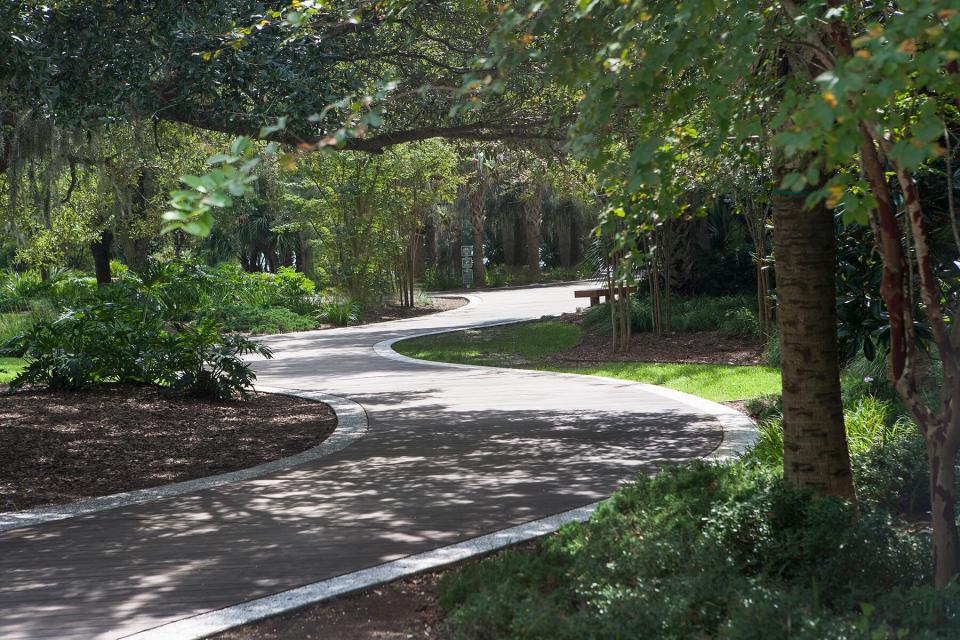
100	248
430	243
508	238
477	220
134	243
941	457
533	217
815	445
533	245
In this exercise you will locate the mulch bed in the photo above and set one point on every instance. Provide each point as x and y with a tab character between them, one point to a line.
398	610
56	447
698	347
395	312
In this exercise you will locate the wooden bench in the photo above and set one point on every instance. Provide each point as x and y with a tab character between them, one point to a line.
596	294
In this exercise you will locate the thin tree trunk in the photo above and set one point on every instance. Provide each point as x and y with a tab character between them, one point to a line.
477	219
414	240
478	276
815	444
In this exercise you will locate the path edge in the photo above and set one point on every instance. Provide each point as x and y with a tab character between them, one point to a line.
351	425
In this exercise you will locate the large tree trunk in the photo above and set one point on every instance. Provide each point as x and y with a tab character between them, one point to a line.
815	445
576	241
430	243
533	245
533	217
508	238
564	236
100	248
133	241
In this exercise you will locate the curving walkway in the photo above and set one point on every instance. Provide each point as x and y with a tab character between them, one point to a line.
451	453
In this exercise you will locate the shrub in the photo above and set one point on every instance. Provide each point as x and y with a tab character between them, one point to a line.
731	315
771	352
740	322
498	276
199	361
118	339
764	407
89	345
437	279
894	474
265	320
340	311
17	288
695	551
290	289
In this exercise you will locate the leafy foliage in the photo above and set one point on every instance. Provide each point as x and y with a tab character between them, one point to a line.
702	550
121	338
731	315
341	311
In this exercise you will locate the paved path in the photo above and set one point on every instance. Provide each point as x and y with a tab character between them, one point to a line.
450	454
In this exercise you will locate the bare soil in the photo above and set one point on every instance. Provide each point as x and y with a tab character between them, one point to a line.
57	447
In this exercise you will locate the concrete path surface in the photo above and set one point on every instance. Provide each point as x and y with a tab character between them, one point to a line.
450	454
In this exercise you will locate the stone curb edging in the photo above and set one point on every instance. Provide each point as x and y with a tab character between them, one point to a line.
739	432
351	426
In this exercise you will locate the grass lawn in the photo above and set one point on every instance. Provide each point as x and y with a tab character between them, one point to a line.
496	346
9	367
717	382
526	345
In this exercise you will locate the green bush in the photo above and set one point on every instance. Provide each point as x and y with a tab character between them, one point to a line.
695	551
121	339
17	289
764	407
731	315
265	320
198	360
341	311
498	276
771	351
437	279
740	322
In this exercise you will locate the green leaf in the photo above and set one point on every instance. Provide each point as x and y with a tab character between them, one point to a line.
280	125
240	145
220	158
219	199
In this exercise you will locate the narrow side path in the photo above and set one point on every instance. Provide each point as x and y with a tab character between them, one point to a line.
449	454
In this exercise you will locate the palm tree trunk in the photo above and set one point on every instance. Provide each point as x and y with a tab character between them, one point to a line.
815	445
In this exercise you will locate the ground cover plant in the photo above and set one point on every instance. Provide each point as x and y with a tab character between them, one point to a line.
731	550
730	315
